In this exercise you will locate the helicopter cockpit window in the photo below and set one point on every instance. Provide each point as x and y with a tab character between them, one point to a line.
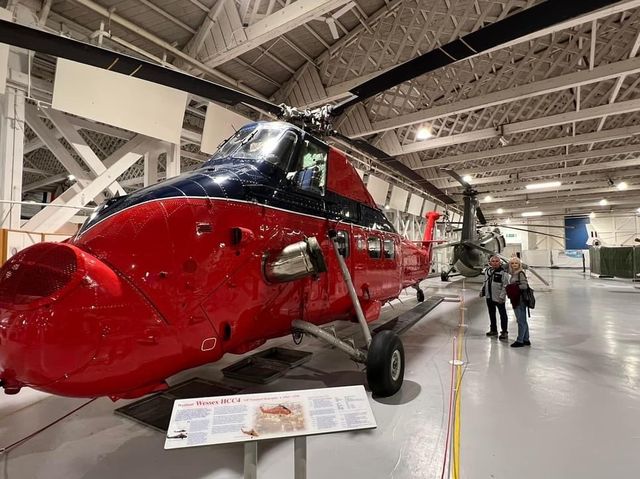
389	249
374	247
310	171
269	142
342	239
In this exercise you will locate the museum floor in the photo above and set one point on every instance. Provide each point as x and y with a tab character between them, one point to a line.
567	407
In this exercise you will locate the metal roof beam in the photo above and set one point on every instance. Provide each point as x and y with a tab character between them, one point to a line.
522	126
277	24
572	80
338	92
36	185
114	17
547	160
607	165
604	135
52	218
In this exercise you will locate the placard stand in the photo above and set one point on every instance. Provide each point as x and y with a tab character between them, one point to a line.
299	458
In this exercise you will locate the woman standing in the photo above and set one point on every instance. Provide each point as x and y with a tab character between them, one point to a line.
517	284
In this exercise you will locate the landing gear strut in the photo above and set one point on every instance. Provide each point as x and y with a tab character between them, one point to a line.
444	275
384	354
419	294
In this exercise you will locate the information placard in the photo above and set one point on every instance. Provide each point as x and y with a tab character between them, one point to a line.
251	417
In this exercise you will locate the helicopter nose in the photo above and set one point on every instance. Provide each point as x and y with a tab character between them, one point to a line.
43	337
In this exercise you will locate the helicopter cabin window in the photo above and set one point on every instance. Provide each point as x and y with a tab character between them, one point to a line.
375	247
342	239
310	172
389	249
268	142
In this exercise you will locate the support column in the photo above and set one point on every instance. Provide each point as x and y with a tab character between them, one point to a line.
150	168
173	161
12	110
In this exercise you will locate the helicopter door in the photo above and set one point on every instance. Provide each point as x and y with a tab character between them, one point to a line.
389	266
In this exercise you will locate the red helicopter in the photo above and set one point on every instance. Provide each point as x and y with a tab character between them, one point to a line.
276	232
216	260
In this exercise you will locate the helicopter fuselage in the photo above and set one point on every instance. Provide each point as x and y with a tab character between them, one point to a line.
172	276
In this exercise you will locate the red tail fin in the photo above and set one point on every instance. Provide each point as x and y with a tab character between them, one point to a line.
432	217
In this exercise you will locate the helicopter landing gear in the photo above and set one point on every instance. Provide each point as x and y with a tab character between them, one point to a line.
385	364
383	354
419	294
444	275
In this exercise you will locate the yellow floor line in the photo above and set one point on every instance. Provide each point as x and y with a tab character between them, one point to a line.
456	414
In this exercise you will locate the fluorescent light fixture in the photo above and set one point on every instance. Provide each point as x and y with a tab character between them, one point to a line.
623	185
499	211
638	210
592	215
540	186
603	202
424	133
467	178
528	214
488	198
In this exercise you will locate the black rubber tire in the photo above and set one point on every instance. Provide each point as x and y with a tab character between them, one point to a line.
444	276
420	295
385	364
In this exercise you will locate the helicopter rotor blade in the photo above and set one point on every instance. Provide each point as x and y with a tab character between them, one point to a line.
393	163
518	25
507	225
457	177
480	215
62	47
532	231
470	244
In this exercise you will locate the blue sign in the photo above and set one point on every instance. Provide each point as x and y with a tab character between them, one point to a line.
576	232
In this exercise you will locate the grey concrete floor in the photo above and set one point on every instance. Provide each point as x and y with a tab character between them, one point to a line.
566	407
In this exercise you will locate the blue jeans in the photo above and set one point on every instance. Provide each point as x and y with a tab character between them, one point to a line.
521	318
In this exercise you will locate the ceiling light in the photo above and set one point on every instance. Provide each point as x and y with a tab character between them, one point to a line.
71	178
528	214
540	186
424	133
623	185
387	207
638	210
487	198
467	178
592	215
500	211
503	141
603	202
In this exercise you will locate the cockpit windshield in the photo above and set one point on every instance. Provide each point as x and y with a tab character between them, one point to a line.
272	142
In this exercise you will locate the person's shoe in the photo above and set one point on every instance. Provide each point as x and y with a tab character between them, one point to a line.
504	336
492	333
526	342
517	344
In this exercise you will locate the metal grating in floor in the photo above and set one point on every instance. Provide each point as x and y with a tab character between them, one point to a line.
155	411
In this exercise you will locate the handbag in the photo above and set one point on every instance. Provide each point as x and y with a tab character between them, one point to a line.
529	298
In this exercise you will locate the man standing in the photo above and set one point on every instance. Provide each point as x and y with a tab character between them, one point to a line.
494	289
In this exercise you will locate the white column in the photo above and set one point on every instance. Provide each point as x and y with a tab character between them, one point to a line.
173	161
150	168
11	151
